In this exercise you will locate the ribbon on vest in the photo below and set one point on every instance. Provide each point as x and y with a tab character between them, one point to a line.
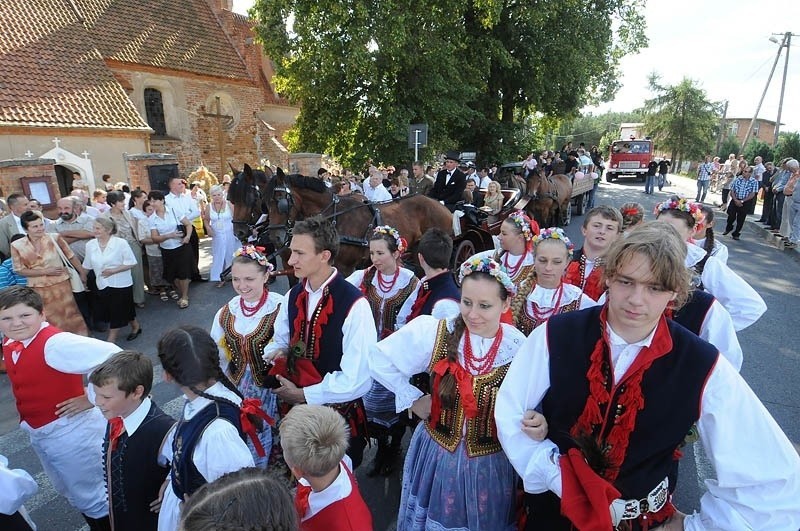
585	496
252	406
117	427
464	384
301	499
422	297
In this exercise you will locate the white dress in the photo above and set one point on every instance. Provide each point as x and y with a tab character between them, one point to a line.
220	450
540	302
224	242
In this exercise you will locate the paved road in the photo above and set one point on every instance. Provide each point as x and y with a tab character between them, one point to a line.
770	366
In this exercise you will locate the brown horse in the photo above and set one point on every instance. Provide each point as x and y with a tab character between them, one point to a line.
246	193
292	198
550	199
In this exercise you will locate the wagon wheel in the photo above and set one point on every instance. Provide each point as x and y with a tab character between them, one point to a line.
580	206
464	250
566	215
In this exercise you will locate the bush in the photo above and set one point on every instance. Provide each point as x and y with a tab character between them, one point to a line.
788	146
757	148
728	146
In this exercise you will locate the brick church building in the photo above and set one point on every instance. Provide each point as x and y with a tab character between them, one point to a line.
92	87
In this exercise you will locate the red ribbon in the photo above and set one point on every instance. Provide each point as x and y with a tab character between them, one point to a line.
301	499
15	346
464	384
422	298
115	432
252	406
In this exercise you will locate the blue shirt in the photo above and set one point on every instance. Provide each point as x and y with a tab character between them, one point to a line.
8	277
741	187
704	171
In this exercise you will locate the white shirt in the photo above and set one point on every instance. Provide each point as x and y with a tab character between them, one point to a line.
758	470
443	309
545	298
184	205
18	221
220	450
241	323
403	278
169	223
336	491
359	334
407	352
720	250
485	183
379	194
117	253
16	486
737	296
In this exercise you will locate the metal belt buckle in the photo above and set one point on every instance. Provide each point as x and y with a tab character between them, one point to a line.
654	502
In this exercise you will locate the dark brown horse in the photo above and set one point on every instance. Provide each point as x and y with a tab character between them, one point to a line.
550	199
246	193
292	198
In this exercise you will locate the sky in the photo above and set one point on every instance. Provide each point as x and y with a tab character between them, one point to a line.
722	44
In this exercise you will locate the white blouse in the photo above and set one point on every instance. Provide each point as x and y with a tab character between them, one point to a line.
720	250
758	475
241	323
443	309
407	352
545	298
220	450
116	253
16	486
737	296
169	223
403	279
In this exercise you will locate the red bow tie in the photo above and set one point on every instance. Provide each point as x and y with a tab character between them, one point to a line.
301	499
15	346
115	431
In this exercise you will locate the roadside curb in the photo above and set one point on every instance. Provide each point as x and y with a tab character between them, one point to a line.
764	233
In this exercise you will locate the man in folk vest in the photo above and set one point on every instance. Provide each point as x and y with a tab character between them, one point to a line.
323	334
46	368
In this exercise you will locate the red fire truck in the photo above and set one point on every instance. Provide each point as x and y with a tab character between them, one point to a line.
629	158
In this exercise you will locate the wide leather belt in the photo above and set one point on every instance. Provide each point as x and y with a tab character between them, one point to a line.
632	509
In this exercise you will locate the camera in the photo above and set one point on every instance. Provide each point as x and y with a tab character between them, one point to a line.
181	230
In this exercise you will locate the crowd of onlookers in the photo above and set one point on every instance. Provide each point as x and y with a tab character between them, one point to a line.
95	263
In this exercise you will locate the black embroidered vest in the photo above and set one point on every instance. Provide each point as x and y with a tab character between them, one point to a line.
481	430
391	306
247	349
441	287
692	314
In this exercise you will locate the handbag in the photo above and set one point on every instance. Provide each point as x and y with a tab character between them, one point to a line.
74	277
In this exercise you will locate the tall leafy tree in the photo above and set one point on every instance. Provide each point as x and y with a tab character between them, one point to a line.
681	119
788	146
474	71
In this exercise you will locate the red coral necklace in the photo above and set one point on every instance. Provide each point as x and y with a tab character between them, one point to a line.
250	311
481	365
386	285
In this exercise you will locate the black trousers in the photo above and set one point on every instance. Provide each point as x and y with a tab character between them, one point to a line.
769	199
194	243
737	215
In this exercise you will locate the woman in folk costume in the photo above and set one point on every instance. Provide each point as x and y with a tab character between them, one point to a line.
386	287
241	329
455	475
711	274
516	257
550	295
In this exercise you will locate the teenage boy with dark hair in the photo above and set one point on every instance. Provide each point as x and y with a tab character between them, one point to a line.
136	432
602	226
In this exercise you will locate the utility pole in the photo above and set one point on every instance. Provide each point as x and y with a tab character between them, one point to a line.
787	41
722	128
763	94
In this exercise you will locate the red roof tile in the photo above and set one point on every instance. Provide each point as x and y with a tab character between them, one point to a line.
52	75
174	34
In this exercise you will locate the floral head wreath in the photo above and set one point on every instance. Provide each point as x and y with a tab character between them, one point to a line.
401	243
528	228
255	253
490	267
683	205
553	233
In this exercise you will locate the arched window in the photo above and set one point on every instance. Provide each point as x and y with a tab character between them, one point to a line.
154	106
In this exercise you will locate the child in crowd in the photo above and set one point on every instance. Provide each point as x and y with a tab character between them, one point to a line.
16	486
155	264
632	215
137	428
46	368
704	236
550	295
208	440
245	499
314	442
601	227
436	293
9	277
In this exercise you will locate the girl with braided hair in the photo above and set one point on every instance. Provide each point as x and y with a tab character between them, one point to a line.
208	440
386	286
551	295
455	475
704	236
241	329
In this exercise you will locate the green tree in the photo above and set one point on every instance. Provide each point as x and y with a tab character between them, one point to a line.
362	71
758	148
788	146
590	128
681	119
728	146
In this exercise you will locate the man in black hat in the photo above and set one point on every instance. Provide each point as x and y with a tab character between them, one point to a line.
450	182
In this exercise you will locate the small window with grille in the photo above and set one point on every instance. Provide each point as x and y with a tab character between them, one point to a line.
154	106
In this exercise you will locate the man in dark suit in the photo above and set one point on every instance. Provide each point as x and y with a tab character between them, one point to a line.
450	182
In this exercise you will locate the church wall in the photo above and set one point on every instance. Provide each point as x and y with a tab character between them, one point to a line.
105	148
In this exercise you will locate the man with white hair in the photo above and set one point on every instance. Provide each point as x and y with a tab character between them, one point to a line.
374	190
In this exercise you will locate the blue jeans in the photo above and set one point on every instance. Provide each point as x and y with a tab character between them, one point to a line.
662	180
702	190
648	184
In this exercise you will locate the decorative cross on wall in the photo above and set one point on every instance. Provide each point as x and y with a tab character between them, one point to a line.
85	154
57	142
29	154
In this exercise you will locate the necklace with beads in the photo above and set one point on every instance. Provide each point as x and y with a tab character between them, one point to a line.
250	311
387	285
513	270
541	315
481	365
